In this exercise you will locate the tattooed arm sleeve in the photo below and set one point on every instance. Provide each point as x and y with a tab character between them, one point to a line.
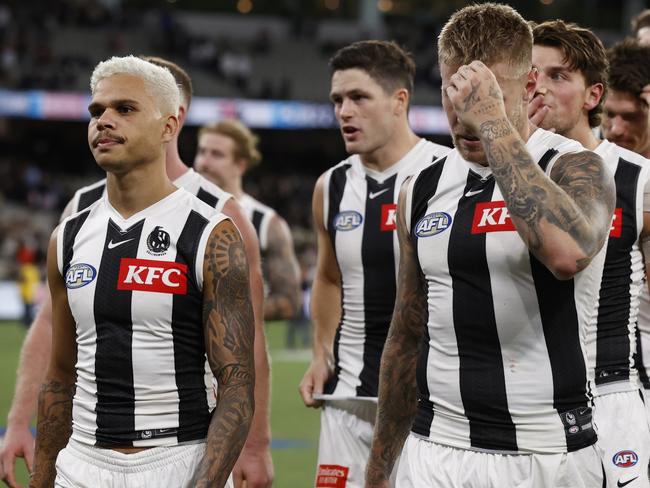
229	335
282	273
564	220
54	423
397	384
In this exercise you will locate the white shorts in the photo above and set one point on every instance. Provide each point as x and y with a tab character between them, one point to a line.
623	432
346	430
82	466
426	464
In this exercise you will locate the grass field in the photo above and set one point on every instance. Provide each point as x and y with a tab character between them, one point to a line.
295	428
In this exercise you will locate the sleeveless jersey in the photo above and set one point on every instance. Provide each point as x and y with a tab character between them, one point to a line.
260	215
611	342
193	182
642	357
359	214
501	367
135	291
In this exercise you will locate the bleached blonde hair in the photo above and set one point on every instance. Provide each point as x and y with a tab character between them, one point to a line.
159	83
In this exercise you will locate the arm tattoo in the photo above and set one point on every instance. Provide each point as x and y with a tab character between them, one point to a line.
229	333
397	379
54	427
532	198
280	269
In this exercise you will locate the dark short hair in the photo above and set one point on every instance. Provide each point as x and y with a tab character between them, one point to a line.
183	80
583	52
640	21
385	62
629	69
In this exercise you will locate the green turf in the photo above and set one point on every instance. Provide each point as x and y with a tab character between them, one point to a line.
290	420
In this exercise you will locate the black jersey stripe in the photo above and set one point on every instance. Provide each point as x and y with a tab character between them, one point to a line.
207	197
423	189
257	220
70	232
115	406
481	375
378	263
188	337
87	198
562	336
546	158
638	361
613	335
338	180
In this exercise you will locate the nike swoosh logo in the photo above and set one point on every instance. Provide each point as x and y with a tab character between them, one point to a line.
472	193
372	196
113	245
619	484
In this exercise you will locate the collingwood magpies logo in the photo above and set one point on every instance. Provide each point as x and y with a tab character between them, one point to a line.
158	241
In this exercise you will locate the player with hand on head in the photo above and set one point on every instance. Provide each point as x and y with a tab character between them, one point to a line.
501	254
354	215
226	151
149	288
571	86
255	464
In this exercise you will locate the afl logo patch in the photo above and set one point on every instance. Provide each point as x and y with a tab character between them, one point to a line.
347	220
158	241
433	224
79	275
625	459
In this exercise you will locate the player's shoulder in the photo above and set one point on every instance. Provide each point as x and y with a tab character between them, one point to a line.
87	195
435	151
545	140
607	148
247	201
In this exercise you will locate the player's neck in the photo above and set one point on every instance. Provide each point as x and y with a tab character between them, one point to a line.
582	133
391	152
234	188
174	166
132	192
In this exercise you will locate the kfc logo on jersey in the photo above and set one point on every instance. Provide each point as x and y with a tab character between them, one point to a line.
491	217
332	476
433	224
79	275
154	276
388	217
625	459
617	223
347	220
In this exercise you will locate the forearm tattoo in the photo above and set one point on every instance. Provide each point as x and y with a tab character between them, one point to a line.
230	331
280	269
54	426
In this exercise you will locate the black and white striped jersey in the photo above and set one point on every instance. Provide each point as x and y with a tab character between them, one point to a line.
611	344
502	367
193	182
135	291
260	215
359	214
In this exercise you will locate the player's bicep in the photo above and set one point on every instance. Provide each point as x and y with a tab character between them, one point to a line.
410	314
228	322
327	267
281	258
64	345
586	179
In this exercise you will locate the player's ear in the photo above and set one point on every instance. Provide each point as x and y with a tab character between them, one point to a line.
171	127
531	83
401	97
594	94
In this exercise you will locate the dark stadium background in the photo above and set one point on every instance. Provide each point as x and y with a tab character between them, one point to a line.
274	52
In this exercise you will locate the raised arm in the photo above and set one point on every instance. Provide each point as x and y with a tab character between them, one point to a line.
229	337
32	366
397	383
54	423
563	220
255	464
325	307
283	273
